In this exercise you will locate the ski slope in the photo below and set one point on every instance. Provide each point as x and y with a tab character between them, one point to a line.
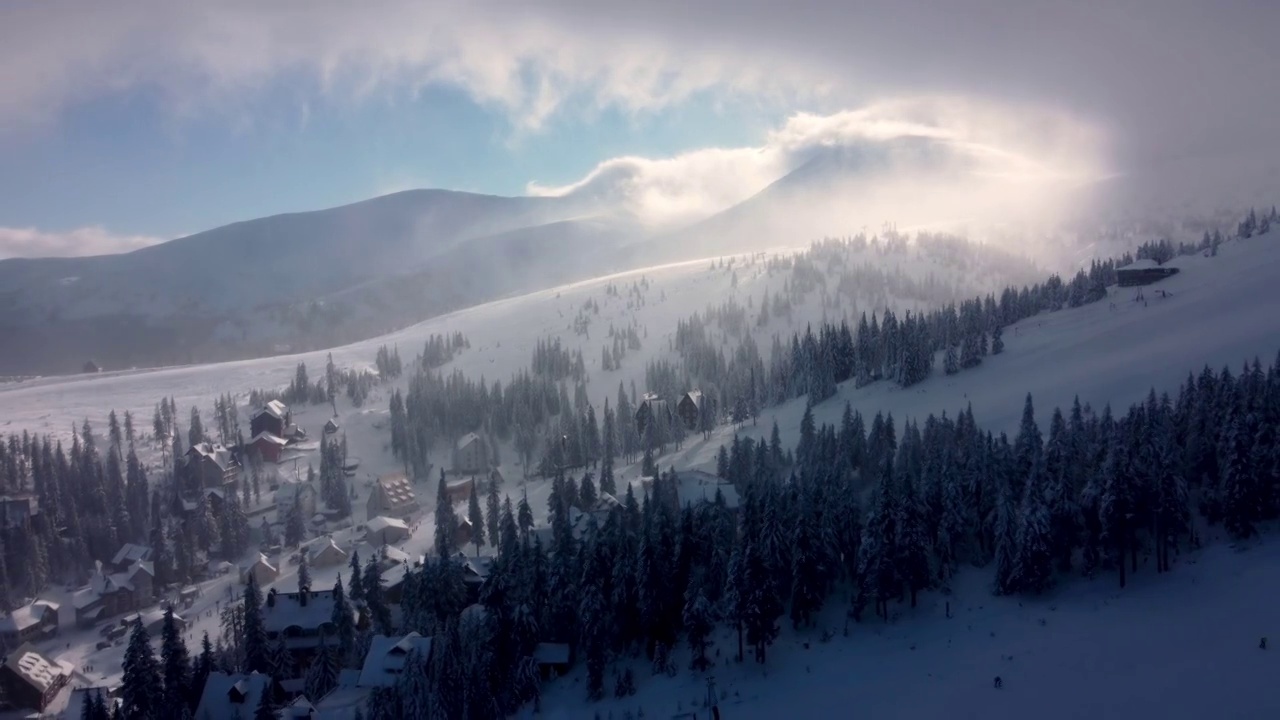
1219	311
1178	646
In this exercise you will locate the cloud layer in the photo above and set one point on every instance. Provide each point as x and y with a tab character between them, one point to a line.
29	242
1025	152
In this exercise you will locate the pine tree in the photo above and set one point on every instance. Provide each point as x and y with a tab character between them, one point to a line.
808	573
1240	498
176	665
699	622
1033	563
913	539
493	514
295	526
476	517
304	574
355	588
375	598
343	623
446	521
763	607
266	707
322	675
997	340
141	691
203	665
1006	537
257	652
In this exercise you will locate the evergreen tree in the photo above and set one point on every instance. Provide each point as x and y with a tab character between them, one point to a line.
322	675
699	622
266	707
304	574
355	588
257	652
913	539
1006	536
141	691
493	514
375	598
343	623
446	521
176	666
295	525
476	517
763	607
203	665
1033	563
997	340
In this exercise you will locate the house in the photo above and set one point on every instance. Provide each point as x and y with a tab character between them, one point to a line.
263	572
390	557
233	697
392	496
300	618
211	466
18	511
463	532
326	553
112	594
459	490
81	695
1143	272
31	680
383	530
652	409
128	554
300	709
274	417
387	657
331	427
29	623
552	659
470	454
690	409
268	446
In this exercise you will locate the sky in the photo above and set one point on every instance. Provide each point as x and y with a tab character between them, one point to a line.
123	124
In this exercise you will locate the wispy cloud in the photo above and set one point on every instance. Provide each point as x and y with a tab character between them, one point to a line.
30	242
1027	152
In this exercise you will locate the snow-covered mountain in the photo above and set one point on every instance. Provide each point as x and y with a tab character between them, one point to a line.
292	281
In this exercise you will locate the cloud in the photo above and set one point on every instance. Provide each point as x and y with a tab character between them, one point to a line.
1023	151
29	242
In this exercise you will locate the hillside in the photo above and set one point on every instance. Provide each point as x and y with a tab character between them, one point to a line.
295	280
1219	311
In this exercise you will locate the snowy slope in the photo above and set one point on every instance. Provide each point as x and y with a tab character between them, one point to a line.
1221	310
1179	646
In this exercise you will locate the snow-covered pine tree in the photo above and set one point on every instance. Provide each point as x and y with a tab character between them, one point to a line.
257	653
141	690
176	667
1033	563
446	521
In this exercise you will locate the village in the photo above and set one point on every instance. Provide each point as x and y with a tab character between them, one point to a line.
62	651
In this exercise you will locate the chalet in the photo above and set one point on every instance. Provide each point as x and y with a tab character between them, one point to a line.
29	623
387	657
211	466
18	511
274	417
30	680
112	594
652	409
392	496
268	446
1143	272
128	554
233	697
75	709
383	530
552	659
262	571
459	490
463	532
331	427
470	454
300	618
690	409
326	553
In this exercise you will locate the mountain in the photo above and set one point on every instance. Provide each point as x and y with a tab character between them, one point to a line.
288	282
832	191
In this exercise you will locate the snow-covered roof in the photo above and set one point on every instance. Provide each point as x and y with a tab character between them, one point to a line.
344	702
394	557
220	455
299	708
696	486
387	657
382	522
287	611
1140	264
269	437
326	550
397	489
551	654
35	669
275	409
231	696
25	617
467	439
130	553
79	696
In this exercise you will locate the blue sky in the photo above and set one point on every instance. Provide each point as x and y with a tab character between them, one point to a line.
124	123
126	163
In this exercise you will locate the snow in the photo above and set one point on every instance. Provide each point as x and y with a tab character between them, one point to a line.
1218	310
1173	646
387	657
